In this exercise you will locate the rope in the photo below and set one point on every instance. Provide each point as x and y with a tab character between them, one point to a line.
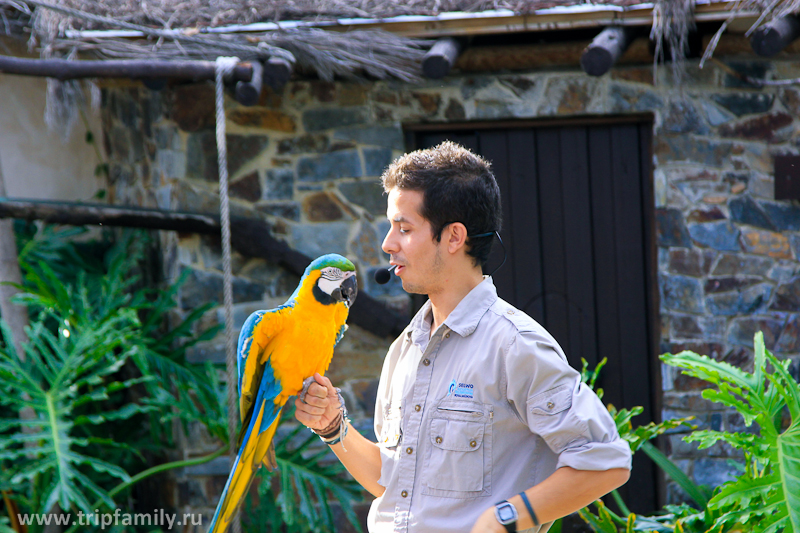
224	67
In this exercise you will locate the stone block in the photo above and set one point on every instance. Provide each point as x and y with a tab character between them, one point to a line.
376	160
569	96
696	327
193	107
384	136
681	293
492	109
673	148
771	128
364	392
247	188
454	111
747	301
671	229
279	184
766	243
626	98
741	104
714	114
343	164
742	330
262	118
742	265
754	69
713	472
789	341
337	117
745	210
795	242
323	207
706	214
366	245
367	194
785	216
309	143
682	117
202	287
359	355
315	240
172	163
429	102
471	86
690	262
787	296
201	153
721	235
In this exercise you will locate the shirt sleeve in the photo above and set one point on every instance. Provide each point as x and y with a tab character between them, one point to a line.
564	412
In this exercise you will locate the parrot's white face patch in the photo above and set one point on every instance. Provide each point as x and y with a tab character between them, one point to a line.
330	279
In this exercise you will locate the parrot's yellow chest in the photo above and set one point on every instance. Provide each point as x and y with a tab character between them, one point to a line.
305	344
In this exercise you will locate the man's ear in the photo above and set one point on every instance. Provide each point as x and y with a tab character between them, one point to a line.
456	237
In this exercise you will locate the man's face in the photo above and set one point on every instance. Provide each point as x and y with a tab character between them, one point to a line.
411	245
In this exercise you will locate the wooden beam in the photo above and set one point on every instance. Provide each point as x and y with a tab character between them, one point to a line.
438	61
605	50
531	56
250	237
67	69
248	92
774	36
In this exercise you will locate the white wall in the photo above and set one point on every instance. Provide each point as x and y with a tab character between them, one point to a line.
38	163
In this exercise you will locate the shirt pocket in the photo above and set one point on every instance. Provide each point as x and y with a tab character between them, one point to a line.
550	416
459	462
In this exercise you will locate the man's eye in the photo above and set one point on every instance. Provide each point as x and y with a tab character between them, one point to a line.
403	231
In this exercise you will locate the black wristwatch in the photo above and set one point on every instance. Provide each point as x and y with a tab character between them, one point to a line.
507	515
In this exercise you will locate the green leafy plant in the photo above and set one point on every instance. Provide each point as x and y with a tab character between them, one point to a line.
766	495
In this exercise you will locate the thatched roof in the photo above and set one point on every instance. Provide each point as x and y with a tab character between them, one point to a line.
186	28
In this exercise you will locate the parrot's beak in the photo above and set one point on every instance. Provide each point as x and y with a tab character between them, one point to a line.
348	290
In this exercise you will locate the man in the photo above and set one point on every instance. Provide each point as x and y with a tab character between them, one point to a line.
476	402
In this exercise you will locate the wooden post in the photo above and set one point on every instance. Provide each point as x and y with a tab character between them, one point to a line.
440	58
776	35
249	92
277	72
605	50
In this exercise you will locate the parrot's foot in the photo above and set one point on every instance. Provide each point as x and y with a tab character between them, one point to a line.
306	384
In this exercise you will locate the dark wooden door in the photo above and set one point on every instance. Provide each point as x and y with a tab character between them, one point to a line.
577	211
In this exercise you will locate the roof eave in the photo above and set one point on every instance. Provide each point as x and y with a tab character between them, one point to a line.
465	24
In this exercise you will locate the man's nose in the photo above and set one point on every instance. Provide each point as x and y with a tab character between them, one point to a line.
389	244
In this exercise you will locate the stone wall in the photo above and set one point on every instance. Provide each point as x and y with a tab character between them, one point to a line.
308	160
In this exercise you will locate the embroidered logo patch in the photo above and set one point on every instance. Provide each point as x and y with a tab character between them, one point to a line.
461	390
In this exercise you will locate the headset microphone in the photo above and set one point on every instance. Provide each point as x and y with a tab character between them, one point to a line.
383	275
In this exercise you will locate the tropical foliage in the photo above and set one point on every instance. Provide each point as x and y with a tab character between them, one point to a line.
765	497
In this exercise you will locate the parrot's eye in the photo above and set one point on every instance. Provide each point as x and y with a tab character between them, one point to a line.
331	273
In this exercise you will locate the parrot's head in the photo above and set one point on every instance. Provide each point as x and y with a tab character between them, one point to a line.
332	279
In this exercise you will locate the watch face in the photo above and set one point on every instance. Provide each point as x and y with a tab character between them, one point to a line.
506	513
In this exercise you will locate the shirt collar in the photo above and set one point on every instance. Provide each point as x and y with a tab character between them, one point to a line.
464	318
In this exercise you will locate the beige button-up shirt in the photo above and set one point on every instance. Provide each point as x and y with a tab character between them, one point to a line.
482	409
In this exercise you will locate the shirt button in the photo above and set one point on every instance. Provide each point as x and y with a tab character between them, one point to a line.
404	494
550	405
510	311
417	408
447	335
438	440
409	450
426	362
472	443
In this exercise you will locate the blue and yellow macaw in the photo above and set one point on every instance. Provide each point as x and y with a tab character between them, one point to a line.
278	353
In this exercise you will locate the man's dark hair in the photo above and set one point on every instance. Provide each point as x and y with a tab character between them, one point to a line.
456	186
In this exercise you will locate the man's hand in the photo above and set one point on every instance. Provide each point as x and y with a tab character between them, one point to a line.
487	523
321	406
